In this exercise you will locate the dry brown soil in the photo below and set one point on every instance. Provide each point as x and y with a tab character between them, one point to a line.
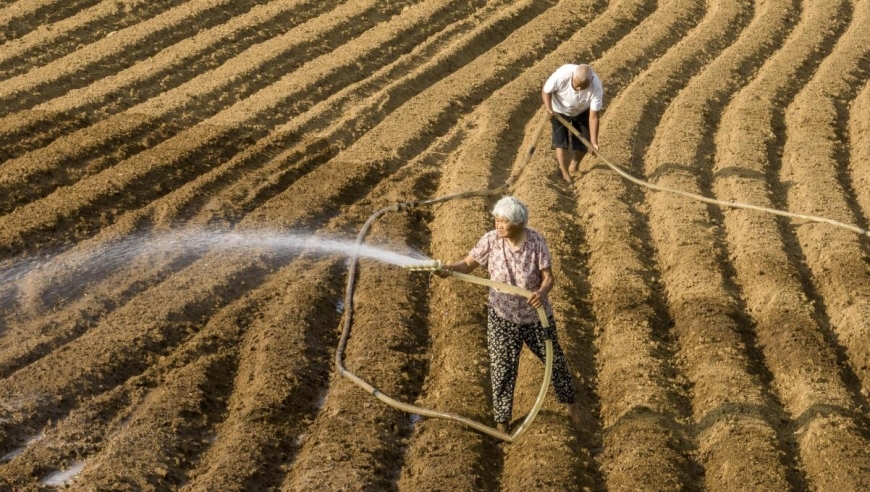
714	348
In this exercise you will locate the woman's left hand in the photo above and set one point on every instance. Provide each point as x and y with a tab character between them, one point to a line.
536	300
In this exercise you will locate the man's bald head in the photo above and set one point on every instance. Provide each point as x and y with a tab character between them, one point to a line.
582	77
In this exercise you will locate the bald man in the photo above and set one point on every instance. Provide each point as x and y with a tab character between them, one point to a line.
576	93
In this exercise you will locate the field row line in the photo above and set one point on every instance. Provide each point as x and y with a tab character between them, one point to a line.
51	41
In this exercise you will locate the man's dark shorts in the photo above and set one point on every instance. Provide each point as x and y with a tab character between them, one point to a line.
561	134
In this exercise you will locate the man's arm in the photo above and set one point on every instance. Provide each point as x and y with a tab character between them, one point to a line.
548	101
593	129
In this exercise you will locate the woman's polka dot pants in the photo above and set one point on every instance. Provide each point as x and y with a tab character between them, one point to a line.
504	342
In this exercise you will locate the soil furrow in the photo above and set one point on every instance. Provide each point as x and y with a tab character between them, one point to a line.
259	298
497	115
51	42
72	291
367	149
154	333
206	191
444	455
425	444
111	413
213	141
813	166
109	141
143	348
642	406
279	453
158	442
138	334
172	67
23	16
329	426
65	286
737	421
379	459
645	43
289	215
283	370
82	209
543	444
114	53
859	143
553	455
790	328
654	39
643	403
263	170
604	28
386	348
412	127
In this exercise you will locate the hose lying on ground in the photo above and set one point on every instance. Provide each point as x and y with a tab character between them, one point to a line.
702	198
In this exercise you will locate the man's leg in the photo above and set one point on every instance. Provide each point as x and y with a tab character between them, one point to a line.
581	123
561	141
575	160
564	156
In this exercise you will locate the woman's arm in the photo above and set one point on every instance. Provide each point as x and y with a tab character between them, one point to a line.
547	282
466	265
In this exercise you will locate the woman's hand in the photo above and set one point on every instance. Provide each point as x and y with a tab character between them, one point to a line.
537	299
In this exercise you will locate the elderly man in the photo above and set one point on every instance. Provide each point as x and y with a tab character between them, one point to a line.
517	255
576	93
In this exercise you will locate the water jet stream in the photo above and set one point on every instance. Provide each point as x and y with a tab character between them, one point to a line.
63	275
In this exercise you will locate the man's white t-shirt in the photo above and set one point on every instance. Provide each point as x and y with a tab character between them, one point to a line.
568	101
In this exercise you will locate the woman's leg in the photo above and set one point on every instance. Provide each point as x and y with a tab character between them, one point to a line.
504	344
563	382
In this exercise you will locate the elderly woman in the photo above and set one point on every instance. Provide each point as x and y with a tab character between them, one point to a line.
517	255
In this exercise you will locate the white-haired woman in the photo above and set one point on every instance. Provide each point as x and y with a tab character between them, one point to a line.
517	255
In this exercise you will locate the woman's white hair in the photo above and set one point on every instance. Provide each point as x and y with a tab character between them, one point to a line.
511	209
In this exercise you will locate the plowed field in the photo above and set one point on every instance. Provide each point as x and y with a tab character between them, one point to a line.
714	348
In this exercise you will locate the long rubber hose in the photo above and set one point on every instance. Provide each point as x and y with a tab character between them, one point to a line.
345	335
548	365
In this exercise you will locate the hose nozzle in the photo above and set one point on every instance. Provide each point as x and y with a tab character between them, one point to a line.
427	266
